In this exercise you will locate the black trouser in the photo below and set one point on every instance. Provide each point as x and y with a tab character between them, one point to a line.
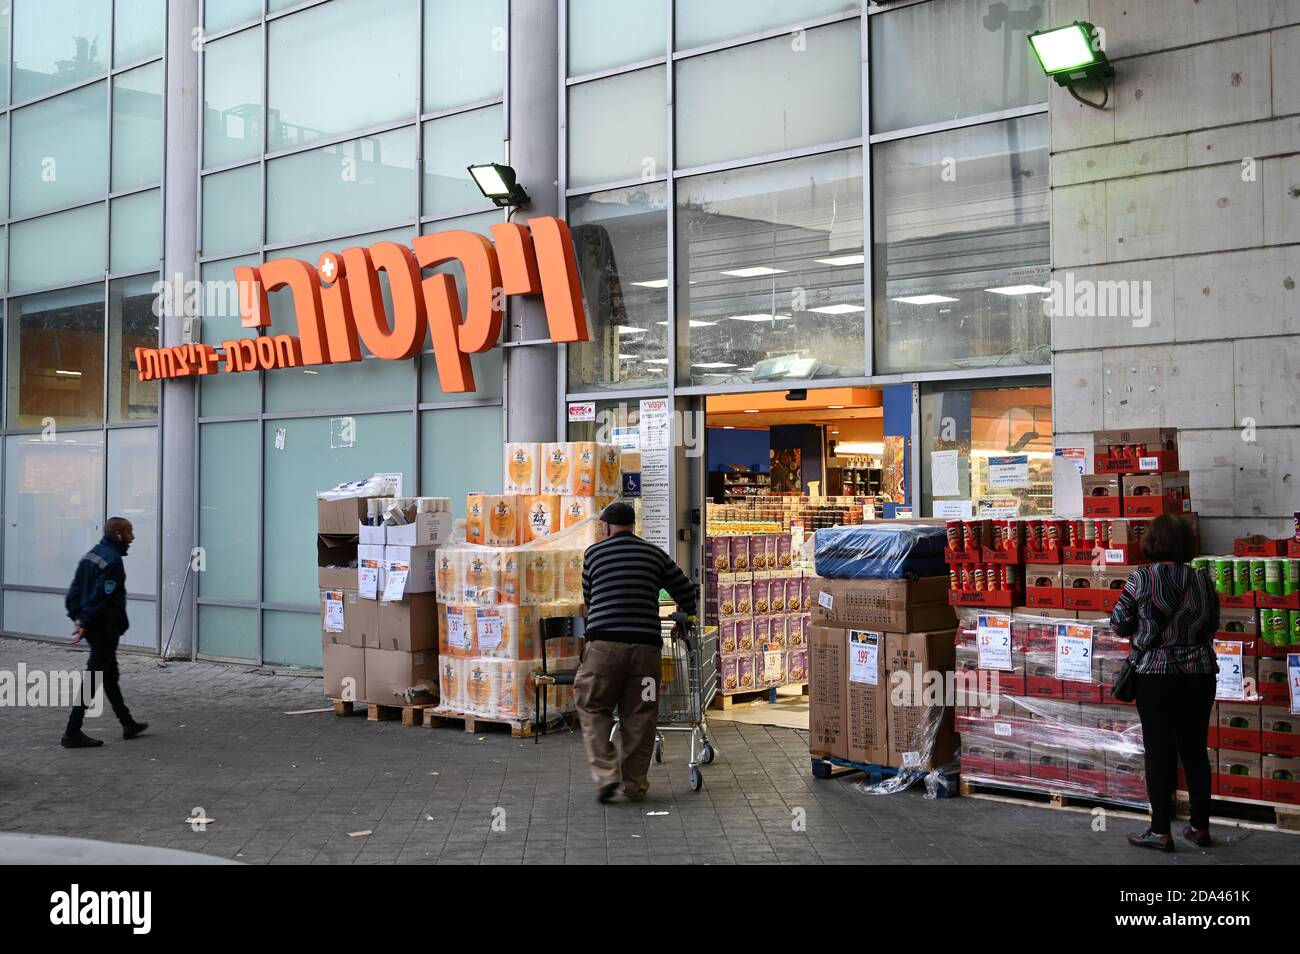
101	669
1175	712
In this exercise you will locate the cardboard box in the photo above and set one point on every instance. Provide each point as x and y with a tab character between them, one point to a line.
1149	495
717	554
333	626
1279	731
422	564
1249	678
1135	450
363	621
340	517
1087	770
1271	681
390	674
366	533
916	654
522	472
1089	589
344	663
336	563
978	757
1049	763
1240	727
1040	676
1102	495
1240	774
1212	736
1234	623
1126	774
1043	586
868	698
1012	760
828	657
422	529
1281	779
890	605
409	624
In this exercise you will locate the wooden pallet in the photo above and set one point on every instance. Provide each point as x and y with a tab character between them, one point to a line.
831	766
1229	810
345	707
725	701
410	715
474	723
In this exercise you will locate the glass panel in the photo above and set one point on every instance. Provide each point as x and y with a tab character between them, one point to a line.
347	187
464	52
922	58
451	144
4	169
225	393
318	453
221	15
56	358
232	218
617	128
228	466
144	620
138	27
133	493
232	98
60	150
615	420
38	614
4	54
228	631
366	53
4	260
58	249
604	35
58	43
773	257
137	127
770	96
700	22
54	505
991	422
961	270
136	223
475	433
291	639
621	239
131	324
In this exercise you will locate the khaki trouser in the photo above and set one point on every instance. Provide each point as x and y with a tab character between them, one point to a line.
626	676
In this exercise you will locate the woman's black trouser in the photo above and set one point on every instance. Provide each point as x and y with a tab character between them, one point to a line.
1175	711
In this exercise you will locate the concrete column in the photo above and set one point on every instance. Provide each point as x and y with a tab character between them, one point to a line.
534	153
179	404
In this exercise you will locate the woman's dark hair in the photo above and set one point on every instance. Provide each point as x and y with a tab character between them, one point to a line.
1169	539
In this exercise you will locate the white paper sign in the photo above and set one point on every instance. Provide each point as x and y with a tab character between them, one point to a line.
279	438
334	612
656	448
395	581
1148	463
954	509
1002	729
825	600
773	665
1008	472
582	411
1293	680
864	657
456	636
1074	652
1230	682
993	642
999	507
1075	455
943	474
489	629
368	579
1114	556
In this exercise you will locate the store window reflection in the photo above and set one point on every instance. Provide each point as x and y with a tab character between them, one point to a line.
962	248
56	358
987	450
617	422
769	280
131	324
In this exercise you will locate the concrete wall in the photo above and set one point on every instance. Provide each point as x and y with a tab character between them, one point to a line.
1188	180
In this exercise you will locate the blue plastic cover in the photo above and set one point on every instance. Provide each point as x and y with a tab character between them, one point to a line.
883	550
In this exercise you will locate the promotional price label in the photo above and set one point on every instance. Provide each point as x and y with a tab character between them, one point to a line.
993	642
1114	556
825	600
773	666
1074	652
1148	463
456	636
582	411
368	579
1293	680
334	612
864	657
489	629
1002	729
395	581
1230	683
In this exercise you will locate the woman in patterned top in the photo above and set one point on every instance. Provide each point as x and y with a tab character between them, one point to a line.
1170	611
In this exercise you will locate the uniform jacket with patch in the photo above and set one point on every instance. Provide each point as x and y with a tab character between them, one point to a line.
97	595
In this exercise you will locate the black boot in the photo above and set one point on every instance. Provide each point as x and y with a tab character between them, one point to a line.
1149	839
79	740
133	729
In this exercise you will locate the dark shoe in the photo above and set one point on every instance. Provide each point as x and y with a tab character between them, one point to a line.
1200	837
1149	839
635	793
80	741
606	792
134	729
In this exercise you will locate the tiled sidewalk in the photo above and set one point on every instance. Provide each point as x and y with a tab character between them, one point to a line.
290	789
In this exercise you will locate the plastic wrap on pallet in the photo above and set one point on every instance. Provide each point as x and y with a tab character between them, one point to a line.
502	690
924	740
880	551
548	570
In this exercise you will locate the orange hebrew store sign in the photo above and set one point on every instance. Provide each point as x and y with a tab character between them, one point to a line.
338	304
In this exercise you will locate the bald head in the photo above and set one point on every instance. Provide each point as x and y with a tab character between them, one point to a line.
120	531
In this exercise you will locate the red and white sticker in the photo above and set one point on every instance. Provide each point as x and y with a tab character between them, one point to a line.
582	411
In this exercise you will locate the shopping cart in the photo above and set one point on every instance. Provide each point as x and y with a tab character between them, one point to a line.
688	681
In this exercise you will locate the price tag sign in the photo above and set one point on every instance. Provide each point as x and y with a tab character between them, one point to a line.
1002	729
993	642
368	579
825	600
333	611
1293	680
471	592
864	657
1074	652
773	666
457	638
395	581
489	628
1230	683
1148	463
1114	556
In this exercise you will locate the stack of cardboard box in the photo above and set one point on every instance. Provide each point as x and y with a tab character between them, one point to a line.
875	651
346	622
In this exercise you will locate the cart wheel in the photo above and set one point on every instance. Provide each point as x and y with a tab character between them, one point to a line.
659	750
706	754
697	780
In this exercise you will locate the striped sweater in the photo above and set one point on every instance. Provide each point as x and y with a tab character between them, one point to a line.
621	580
1171	613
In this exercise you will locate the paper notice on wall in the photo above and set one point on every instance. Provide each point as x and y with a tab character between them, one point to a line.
279	438
1293	680
1008	472
1073	455
943	474
999	507
334	612
1074	652
954	509
993	642
656	448
395	581
1230	682
368	579
488	627
864	656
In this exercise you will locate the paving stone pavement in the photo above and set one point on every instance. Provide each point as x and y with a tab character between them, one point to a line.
289	789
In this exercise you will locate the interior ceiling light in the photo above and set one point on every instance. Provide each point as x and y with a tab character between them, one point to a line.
630	329
923	299
754	271
842	260
1018	290
1071	55
653	283
712	364
656	360
695	323
758	317
838	309
627	357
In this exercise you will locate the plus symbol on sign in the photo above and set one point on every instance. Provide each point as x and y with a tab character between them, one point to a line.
328	267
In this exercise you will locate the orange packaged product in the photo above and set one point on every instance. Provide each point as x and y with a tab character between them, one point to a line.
476	519
568	587
541	517
574	510
523	469
586	462
609	469
539	577
510	577
458	635
557	468
502	520
482	570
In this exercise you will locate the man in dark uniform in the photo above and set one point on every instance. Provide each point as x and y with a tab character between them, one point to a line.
97	607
